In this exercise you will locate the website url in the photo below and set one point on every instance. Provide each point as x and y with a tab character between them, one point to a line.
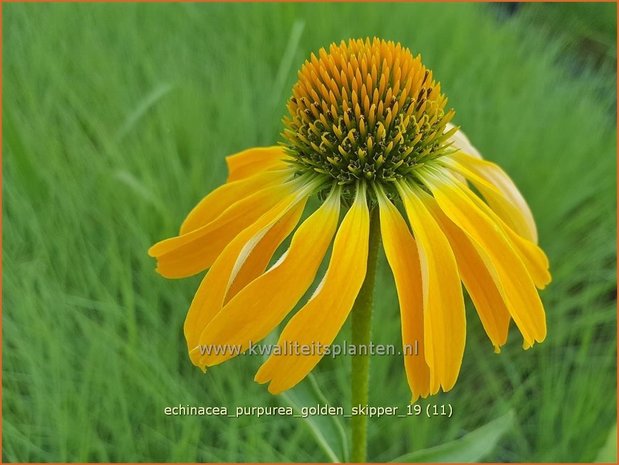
311	349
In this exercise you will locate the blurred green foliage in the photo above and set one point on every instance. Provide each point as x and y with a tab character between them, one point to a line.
116	119
590	28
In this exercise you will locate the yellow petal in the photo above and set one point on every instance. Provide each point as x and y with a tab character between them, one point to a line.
254	160
264	303
195	251
461	142
508	271
260	257
215	203
319	321
401	251
210	297
533	256
444	318
499	190
478	281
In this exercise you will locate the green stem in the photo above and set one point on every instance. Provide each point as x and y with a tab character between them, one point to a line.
361	335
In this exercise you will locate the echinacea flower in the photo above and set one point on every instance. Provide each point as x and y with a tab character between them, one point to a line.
367	130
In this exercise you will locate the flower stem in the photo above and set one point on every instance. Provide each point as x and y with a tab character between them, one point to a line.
361	335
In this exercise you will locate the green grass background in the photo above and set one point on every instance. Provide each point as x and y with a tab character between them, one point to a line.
116	119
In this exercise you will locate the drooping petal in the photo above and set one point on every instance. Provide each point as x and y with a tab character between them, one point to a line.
461	142
254	160
533	257
319	321
444	318
211	294
401	251
499	190
191	253
259	258
478	281
261	305
508	271
215	203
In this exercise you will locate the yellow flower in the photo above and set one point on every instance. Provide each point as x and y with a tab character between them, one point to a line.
367	129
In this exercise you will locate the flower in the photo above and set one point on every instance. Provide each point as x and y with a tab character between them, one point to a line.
367	130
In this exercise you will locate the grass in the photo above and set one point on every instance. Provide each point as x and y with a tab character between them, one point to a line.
116	119
589	28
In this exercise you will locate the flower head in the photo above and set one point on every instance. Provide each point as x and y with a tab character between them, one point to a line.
367	131
366	111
